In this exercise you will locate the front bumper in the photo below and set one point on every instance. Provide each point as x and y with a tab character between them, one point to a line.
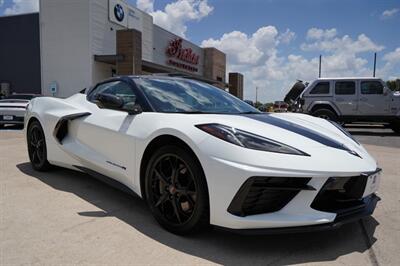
226	178
369	204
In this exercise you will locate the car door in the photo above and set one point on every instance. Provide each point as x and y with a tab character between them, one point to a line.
104	135
373	98
317	91
345	97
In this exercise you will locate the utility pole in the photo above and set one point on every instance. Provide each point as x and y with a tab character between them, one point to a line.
319	73
374	65
256	95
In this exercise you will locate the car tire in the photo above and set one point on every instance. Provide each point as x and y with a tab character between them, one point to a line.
326	114
395	126
37	149
176	190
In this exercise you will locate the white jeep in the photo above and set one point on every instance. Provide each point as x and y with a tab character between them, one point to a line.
349	100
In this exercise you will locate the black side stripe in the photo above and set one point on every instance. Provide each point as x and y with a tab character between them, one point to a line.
308	133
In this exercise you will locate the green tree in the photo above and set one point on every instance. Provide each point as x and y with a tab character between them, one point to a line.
257	104
392	84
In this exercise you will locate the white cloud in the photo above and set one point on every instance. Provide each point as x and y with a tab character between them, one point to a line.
243	49
258	57
145	5
22	6
389	13
344	44
176	14
393	57
287	36
318	34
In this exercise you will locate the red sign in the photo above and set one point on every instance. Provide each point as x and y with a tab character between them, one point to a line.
187	55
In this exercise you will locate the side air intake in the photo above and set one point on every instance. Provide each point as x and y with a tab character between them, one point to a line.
261	194
61	129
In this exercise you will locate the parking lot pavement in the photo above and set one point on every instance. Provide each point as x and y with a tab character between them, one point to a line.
374	134
65	217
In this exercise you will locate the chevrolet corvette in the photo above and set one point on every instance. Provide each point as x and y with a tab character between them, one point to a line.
13	107
199	156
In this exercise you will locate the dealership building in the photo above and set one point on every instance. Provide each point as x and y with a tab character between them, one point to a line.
71	45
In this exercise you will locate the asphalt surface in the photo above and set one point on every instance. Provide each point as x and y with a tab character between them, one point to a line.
374	134
66	217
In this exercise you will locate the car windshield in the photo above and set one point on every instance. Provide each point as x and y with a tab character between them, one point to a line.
189	96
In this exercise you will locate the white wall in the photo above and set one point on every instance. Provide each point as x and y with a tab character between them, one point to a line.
65	50
102	39
102	30
103	33
73	31
147	37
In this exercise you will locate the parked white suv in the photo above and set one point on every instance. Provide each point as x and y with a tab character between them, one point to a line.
352	100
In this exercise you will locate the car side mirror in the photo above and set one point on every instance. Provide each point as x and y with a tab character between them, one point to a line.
132	108
106	100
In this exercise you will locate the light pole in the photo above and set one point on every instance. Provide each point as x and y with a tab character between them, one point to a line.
256	95
319	70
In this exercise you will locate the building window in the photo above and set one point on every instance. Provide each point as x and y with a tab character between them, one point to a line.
219	78
320	88
345	88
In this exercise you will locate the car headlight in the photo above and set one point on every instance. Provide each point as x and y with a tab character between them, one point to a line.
248	140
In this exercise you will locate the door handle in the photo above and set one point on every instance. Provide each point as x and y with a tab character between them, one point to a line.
363	99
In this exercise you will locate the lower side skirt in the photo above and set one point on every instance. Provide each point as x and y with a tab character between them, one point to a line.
107	180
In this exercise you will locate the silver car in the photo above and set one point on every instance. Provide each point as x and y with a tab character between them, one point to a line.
13	107
347	100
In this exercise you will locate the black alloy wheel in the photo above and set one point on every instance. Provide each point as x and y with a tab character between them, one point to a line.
37	147
176	190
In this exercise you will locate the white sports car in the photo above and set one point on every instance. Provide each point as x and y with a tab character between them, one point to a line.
13	107
200	156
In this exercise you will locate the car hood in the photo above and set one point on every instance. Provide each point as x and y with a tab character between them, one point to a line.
301	131
294	92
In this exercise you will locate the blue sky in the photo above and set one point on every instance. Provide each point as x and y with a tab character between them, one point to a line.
275	42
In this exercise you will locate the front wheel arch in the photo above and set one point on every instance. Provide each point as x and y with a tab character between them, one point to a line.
326	113
31	120
157	143
319	106
43	164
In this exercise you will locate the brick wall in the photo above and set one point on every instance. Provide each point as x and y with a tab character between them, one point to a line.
214	64
236	84
129	45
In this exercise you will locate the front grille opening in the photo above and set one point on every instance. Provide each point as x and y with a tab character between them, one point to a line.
341	195
266	194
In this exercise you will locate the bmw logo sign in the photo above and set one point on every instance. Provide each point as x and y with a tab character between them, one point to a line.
119	12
